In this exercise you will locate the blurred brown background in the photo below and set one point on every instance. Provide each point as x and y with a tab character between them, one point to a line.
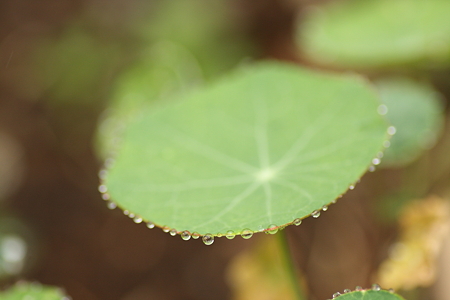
58	62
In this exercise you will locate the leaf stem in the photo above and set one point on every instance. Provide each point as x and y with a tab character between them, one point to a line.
289	265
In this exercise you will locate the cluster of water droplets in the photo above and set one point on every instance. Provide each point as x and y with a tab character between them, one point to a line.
112	205
382	110
208	239
103	189
375	287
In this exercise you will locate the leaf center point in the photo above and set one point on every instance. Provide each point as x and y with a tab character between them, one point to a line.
265	174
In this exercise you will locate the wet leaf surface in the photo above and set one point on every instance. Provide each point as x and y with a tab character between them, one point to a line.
258	150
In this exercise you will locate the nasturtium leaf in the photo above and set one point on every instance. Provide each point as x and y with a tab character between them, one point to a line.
25	291
416	111
369	295
377	34
262	147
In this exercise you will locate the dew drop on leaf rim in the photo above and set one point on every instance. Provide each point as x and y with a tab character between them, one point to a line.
391	130
297	222
376	161
358	288
325	208
109	162
111	205
347	291
173	232
246	234
165	229
382	110
272	229
230	234
376	287
195	235
150	225
315	214
137	220
335	295
102	188
102	174
208	239
185	235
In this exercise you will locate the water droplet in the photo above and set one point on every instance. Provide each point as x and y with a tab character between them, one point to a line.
351	187
150	225
105	196
372	169
246	234
230	234
186	235
315	214
380	154
102	188
376	287
391	291
272	229
109	162
335	295
137	220
111	205
347	291
376	161
208	239
173	232
391	130
102	174
131	215
126	212
297	222
386	144
325	208
334	200
382	110
166	229
358	288
195	235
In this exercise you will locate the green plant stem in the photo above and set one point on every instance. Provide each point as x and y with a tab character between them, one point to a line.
289	265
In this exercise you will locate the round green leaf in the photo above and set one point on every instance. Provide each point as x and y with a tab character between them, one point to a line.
270	144
416	111
374	34
25	291
368	295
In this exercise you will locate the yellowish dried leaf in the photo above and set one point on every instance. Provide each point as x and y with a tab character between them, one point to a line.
412	261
